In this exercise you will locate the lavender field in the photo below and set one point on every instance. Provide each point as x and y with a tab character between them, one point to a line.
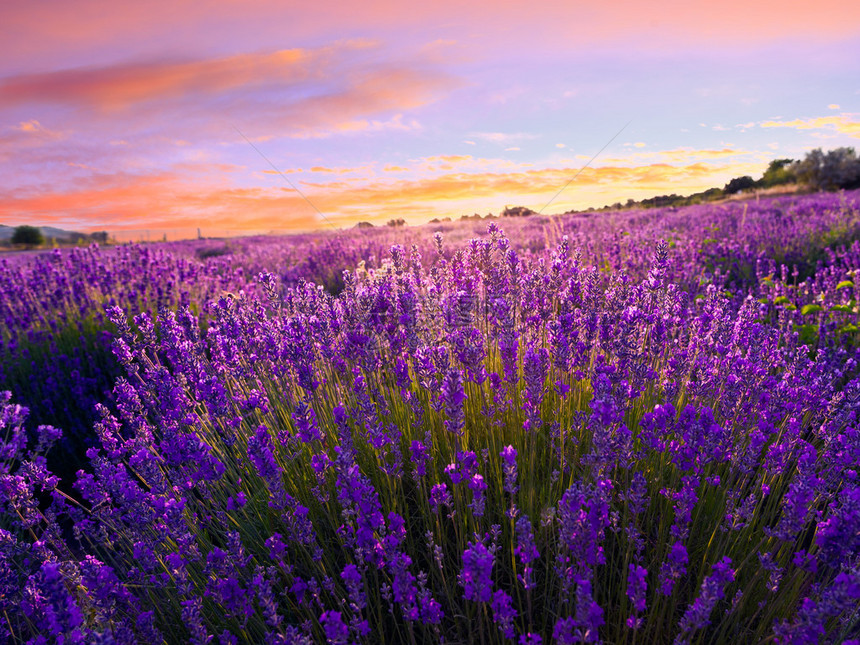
630	427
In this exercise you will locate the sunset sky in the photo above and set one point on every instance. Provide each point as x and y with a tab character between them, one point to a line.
133	117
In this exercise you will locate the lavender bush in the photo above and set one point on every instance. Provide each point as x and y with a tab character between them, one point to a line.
478	441
55	342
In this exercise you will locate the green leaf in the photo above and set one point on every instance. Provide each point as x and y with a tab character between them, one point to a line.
845	284
779	300
810	309
847	328
808	334
790	307
846	308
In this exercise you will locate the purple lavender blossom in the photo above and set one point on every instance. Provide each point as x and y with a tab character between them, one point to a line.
504	613
440	496
477	486
509	468
585	624
475	575
637	586
673	568
535	363
526	550
713	590
452	396
336	631
837	536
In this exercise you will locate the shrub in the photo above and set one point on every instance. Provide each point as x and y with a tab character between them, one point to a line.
838	168
738	184
778	173
28	235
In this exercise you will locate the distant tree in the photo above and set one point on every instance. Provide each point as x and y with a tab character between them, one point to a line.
517	211
778	173
364	225
396	222
738	184
837	168
29	235
99	236
712	193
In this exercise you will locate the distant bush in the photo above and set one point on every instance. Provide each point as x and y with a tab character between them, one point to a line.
517	211
831	170
778	173
738	184
396	222
365	225
29	235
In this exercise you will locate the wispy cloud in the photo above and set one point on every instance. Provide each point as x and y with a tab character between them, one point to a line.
292	92
503	138
682	155
845	123
26	136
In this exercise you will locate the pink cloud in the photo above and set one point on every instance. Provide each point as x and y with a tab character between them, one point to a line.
294	92
48	29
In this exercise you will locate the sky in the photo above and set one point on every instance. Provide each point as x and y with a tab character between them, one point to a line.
240	117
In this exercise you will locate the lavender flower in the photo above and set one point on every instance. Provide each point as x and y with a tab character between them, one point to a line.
475	575
713	590
440	496
673	568
336	631
504	613
478	486
636	588
509	468
526	550
452	396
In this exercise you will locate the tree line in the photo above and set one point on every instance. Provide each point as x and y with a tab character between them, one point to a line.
32	236
837	169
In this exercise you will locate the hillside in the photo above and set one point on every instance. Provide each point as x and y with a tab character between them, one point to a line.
6	233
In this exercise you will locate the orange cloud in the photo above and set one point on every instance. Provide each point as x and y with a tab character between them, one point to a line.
683	155
178	204
128	204
457	193
843	124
